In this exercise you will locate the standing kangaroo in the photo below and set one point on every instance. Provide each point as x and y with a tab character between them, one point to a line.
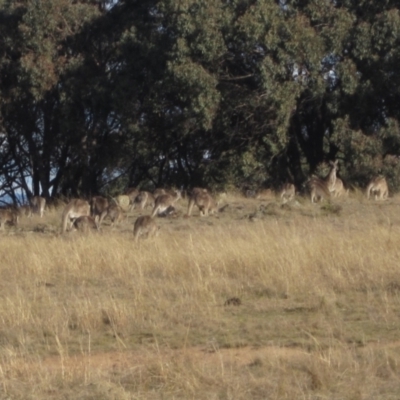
38	205
323	187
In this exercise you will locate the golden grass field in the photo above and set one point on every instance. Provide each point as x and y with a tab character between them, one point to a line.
98	316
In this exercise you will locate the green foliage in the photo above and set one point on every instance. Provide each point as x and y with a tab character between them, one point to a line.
198	95
197	92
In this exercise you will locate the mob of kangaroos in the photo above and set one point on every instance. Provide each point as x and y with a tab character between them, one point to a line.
83	215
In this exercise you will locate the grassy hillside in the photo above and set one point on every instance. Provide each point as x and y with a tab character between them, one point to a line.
262	301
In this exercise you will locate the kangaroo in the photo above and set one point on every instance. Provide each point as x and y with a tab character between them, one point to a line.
38	205
98	208
132	193
158	192
203	201
197	190
379	188
74	209
115	213
339	189
145	226
288	192
323	187
144	199
24	211
165	201
8	216
84	223
330	179
318	189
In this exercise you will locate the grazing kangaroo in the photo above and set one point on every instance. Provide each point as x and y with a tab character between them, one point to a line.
164	201
24	211
115	213
144	199
288	192
378	187
98	208
145	226
131	193
74	209
205	203
84	223
38	205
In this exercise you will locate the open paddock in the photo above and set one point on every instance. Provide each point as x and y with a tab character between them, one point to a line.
262	300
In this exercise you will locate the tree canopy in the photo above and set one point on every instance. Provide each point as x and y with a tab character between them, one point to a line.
99	95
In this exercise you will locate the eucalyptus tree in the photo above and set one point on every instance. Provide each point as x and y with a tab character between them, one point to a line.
347	108
98	95
49	126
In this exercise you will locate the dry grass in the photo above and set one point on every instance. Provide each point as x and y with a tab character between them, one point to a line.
99	317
